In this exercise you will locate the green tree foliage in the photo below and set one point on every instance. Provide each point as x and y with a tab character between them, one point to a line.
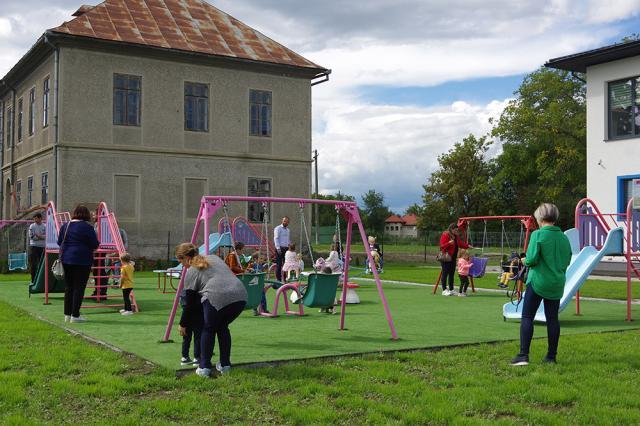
375	212
327	213
544	145
461	186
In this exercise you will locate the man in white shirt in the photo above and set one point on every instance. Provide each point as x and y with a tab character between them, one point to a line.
281	240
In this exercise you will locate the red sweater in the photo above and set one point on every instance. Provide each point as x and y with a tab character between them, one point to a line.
448	248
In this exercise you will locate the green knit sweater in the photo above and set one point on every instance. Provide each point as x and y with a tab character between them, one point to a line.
548	256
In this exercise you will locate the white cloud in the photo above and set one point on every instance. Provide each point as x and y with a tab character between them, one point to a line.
5	27
392	149
600	11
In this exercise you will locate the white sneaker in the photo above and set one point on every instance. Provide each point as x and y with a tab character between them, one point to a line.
203	372
446	292
221	369
185	361
453	293
462	294
195	361
78	319
67	318
121	310
125	313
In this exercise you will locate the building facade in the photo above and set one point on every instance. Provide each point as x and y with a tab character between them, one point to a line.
402	226
613	120
150	122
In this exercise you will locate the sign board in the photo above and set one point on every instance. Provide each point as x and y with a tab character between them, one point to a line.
635	193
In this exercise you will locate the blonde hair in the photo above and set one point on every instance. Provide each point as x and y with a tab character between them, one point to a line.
190	250
464	253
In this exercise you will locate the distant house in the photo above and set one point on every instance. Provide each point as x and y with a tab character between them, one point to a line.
405	226
149	105
613	121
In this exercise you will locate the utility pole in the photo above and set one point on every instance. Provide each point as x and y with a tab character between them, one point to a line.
315	206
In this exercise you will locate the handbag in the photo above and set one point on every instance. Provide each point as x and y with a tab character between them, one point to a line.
443	257
57	269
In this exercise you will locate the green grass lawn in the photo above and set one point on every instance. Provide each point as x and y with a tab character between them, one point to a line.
422	320
48	376
429	275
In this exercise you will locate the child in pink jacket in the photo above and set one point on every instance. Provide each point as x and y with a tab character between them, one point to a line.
464	264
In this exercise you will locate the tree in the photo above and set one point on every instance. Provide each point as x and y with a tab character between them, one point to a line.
375	212
414	209
462	186
326	212
544	144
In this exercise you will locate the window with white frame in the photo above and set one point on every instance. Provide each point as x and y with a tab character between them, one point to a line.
260	112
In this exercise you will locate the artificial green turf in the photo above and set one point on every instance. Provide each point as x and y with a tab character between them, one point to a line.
48	376
422	320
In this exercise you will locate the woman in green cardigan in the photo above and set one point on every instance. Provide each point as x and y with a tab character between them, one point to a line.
548	256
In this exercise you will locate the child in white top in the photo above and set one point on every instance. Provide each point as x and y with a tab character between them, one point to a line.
291	263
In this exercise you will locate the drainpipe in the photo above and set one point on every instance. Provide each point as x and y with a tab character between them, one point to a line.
2	148
56	78
324	75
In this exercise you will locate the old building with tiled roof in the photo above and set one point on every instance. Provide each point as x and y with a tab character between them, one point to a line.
148	105
402	226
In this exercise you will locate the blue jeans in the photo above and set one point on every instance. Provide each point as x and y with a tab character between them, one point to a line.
216	323
529	308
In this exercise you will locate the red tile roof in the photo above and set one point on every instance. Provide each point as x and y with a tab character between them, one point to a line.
406	220
186	25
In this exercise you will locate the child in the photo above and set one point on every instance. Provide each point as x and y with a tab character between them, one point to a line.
333	261
126	282
257	265
233	259
291	263
376	254
464	264
510	268
193	326
329	309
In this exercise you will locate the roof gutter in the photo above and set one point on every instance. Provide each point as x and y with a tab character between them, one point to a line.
324	75
56	78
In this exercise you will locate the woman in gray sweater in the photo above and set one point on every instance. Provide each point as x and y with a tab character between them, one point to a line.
211	286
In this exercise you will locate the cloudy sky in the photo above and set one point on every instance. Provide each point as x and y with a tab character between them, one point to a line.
410	77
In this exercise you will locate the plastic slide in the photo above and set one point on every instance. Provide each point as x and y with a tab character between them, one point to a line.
38	285
581	266
215	242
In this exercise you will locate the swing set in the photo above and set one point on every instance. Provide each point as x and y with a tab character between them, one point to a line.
528	224
317	284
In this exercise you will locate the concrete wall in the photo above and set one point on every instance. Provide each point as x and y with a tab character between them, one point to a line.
608	159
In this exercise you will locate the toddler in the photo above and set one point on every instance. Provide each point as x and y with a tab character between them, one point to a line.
464	264
126	282
291	263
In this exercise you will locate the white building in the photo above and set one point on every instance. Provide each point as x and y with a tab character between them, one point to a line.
613	120
405	226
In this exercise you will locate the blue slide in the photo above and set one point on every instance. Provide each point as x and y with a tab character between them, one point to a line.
582	264
215	242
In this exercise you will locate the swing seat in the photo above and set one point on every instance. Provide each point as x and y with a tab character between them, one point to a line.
321	290
17	261
254	284
479	266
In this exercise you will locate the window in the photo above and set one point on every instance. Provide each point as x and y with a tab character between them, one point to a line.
258	187
20	108
44	184
625	191
32	112
624	108
19	194
194	189
260	111
126	197
196	107
45	102
1	124
29	191
9	128
127	93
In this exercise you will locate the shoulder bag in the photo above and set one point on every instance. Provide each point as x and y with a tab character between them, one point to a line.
57	269
443	256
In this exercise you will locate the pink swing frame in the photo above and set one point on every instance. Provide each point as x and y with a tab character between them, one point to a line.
209	205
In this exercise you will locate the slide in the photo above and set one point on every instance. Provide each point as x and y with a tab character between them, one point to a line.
215	242
581	266
38	285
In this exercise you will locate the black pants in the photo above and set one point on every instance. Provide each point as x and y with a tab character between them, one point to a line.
530	305
464	283
75	277
193	334
35	256
126	295
280	262
448	270
216	323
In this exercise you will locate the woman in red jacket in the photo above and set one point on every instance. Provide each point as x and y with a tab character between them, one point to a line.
450	242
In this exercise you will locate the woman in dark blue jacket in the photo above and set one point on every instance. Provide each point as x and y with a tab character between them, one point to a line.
77	240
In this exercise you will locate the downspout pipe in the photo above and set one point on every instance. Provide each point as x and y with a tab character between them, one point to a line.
56	78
